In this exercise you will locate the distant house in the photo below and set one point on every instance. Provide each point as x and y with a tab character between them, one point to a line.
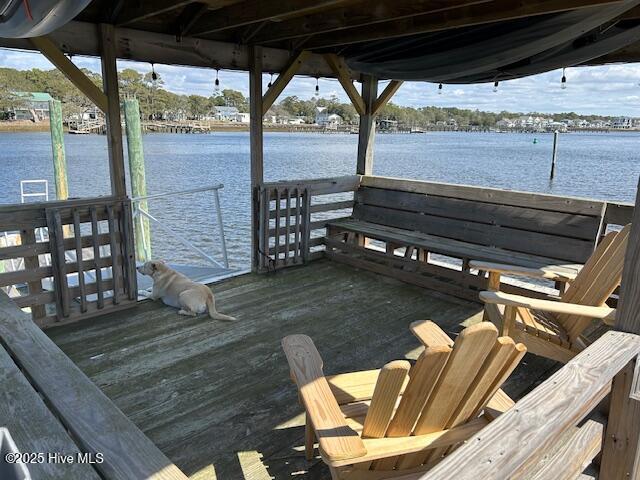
623	123
33	106
326	119
226	114
505	123
241	117
291	120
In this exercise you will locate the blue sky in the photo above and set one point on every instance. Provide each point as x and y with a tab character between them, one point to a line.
605	90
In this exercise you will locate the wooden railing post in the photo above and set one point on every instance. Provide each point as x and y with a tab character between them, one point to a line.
620	452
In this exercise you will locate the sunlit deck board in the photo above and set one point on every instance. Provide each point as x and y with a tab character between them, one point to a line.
215	395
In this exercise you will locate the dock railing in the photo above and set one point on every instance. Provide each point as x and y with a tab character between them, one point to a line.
140	215
83	266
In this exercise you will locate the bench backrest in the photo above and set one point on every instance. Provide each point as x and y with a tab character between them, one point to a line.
544	225
449	385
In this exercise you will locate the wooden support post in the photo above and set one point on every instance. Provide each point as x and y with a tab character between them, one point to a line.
255	137
367	126
112	113
138	178
283	80
621	448
57	147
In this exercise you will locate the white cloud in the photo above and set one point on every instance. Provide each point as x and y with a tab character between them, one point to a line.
607	90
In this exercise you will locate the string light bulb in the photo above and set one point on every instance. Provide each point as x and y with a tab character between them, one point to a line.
154	75
270	81
440	89
495	86
563	81
317	87
217	82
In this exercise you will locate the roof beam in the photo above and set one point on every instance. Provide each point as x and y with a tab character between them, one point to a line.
81	38
341	72
499	10
73	73
283	80
374	11
254	11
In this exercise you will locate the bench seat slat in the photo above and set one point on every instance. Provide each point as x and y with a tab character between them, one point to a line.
95	423
34	428
449	247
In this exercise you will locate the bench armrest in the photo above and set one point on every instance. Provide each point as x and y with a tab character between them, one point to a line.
337	441
606	314
548	272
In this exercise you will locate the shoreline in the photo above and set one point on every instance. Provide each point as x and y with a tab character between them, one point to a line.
27	126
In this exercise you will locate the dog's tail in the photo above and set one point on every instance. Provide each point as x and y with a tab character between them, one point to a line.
213	313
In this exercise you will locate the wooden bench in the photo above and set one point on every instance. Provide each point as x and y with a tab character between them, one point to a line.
50	406
423	218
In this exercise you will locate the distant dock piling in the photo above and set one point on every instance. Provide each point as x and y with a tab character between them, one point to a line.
554	155
138	178
57	147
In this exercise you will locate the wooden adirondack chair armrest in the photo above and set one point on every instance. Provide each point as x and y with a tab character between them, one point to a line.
336	440
606	314
391	446
499	404
430	334
549	272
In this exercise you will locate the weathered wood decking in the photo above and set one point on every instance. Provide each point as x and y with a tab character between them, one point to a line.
216	397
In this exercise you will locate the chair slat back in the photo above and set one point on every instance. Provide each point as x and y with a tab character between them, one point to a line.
597	280
449	385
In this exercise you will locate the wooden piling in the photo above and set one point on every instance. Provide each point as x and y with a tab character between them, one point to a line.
57	146
554	154
138	181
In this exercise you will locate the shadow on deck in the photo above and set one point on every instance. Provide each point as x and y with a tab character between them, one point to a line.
216	397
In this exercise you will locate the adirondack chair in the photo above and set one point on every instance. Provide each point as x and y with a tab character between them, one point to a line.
554	329
402	419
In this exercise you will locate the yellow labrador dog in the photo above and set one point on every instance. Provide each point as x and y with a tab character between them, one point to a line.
176	290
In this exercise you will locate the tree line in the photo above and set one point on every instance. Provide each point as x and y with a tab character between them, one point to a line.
156	102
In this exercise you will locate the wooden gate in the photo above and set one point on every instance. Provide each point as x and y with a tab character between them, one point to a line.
70	260
293	216
284	234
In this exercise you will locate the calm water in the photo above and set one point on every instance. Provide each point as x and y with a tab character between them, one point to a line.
604	166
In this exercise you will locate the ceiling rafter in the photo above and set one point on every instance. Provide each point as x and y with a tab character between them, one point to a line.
254	11
137	12
500	10
374	11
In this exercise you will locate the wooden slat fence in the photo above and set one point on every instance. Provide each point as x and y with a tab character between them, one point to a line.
293	217
68	260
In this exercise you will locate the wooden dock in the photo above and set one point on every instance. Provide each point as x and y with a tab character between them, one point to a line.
216	397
